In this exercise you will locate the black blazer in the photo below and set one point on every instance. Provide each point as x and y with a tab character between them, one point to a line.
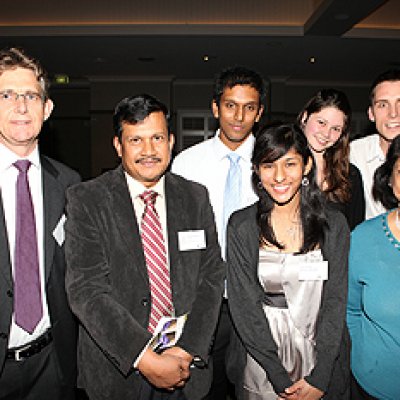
354	209
56	178
108	286
245	298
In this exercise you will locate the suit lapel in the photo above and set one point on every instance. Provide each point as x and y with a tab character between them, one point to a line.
5	262
122	206
53	209
177	221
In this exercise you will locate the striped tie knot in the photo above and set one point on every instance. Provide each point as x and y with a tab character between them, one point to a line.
149	197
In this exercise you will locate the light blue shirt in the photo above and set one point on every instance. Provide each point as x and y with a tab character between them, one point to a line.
207	163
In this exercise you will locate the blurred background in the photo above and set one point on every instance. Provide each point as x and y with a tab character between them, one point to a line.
97	52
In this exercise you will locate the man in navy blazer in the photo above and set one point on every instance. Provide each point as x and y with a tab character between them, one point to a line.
107	277
37	363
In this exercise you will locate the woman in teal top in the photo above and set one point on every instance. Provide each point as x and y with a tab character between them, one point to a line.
373	311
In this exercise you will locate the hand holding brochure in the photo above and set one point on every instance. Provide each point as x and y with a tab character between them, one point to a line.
167	333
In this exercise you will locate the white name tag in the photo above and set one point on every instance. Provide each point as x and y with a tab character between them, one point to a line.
192	240
313	271
58	232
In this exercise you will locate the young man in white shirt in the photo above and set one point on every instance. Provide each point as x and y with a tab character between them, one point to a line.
369	153
238	105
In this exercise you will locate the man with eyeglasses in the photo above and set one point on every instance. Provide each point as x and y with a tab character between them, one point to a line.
37	328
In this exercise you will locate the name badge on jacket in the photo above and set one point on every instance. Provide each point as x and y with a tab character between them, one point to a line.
192	240
313	271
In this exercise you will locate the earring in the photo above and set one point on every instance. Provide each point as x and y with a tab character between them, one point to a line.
305	181
260	185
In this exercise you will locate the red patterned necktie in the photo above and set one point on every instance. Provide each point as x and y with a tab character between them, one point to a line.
28	303
156	261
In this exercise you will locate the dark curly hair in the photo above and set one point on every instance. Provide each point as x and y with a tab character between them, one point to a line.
382	189
134	109
238	75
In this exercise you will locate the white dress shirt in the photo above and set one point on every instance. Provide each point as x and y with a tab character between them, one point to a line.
366	154
206	163
8	179
135	190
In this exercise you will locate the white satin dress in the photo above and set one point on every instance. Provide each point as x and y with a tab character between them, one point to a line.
293	328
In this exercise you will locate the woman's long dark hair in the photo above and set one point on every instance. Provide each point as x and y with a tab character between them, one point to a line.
272	142
336	157
382	189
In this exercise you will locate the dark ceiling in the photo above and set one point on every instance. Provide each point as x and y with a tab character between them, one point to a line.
349	40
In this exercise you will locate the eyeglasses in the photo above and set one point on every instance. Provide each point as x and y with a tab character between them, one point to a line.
10	97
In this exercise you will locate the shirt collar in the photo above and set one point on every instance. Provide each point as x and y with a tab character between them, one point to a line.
375	151
245	150
136	188
8	158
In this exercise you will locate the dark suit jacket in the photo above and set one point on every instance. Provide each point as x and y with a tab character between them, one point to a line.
108	286
245	298
56	178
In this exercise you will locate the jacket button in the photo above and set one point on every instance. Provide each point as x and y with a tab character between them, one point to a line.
145	302
10	293
3	335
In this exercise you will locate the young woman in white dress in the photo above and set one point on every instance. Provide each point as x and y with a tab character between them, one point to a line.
287	280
